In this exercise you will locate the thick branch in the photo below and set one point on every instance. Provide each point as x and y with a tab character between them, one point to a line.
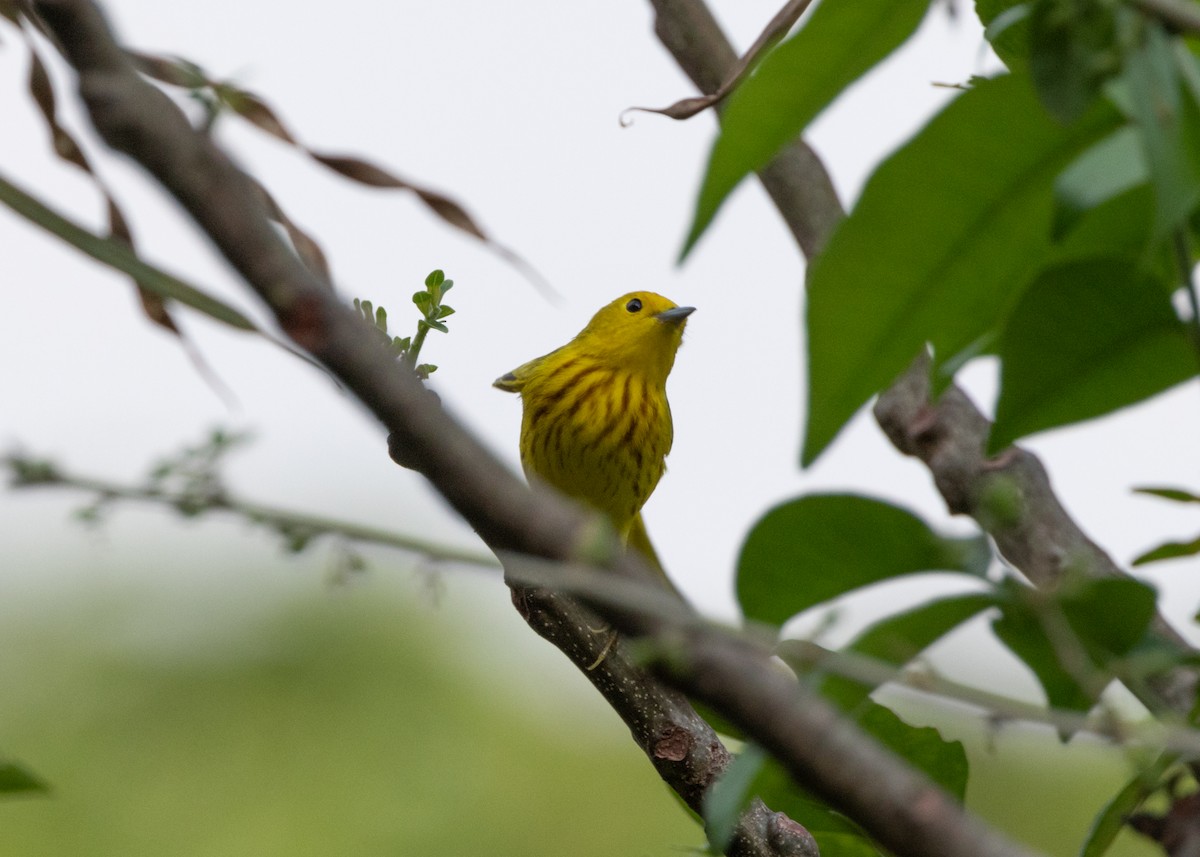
1011	497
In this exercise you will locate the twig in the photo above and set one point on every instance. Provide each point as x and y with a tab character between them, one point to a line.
28	473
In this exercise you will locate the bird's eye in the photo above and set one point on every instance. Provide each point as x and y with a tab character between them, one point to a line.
634	305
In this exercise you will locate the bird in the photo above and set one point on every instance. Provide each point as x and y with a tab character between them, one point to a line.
595	420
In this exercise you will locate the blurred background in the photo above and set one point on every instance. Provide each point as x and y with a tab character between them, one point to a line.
187	686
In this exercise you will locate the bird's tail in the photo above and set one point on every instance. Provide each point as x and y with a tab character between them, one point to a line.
639	540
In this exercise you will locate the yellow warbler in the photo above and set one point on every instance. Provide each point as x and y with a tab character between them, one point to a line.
595	420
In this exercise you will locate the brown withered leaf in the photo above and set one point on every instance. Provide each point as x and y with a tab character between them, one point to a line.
175	71
775	30
255	111
179	72
367	173
41	89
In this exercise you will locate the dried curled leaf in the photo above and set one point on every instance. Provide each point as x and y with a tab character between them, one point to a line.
775	30
41	89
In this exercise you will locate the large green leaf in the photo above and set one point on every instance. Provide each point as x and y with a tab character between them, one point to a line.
841	41
1086	339
944	239
818	547
899	638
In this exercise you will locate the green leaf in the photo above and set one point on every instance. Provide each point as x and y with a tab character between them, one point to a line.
1110	615
436	278
729	797
444	311
1169	121
794	83
1169	550
14	779
1006	27
1176	494
421	298
1086	339
944	762
947	233
1111	819
899	638
818	547
1105	171
117	255
1073	51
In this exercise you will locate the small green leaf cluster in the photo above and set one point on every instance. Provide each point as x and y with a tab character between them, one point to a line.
806	553
433	311
379	318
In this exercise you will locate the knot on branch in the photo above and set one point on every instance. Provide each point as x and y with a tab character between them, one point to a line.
673	745
789	838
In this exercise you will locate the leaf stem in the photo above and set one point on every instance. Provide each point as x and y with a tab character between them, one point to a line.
414	350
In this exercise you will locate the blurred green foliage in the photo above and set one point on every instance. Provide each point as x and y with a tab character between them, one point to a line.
339	723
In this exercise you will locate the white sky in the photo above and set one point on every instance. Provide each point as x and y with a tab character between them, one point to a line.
512	109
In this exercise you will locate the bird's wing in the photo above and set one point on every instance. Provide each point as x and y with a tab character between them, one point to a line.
514	381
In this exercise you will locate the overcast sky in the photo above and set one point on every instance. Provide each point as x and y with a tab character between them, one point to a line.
513	109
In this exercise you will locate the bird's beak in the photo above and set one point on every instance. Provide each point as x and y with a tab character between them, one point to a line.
674	314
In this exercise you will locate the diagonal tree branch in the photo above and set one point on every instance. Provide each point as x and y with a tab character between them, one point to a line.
907	813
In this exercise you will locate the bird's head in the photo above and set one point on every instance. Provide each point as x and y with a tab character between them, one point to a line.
640	331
